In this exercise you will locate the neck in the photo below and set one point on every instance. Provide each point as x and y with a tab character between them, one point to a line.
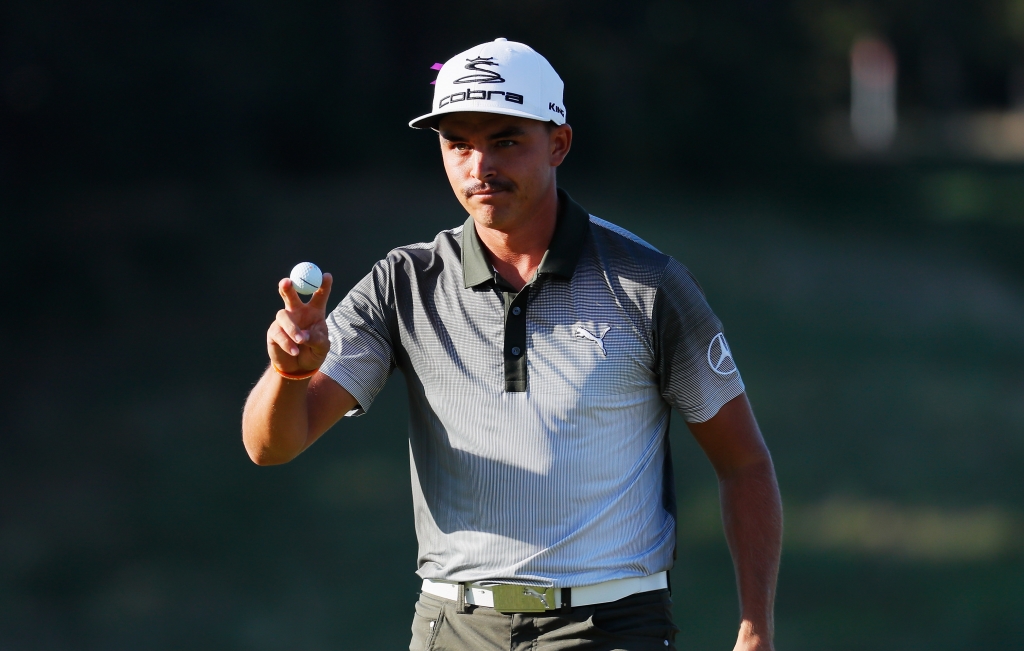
516	251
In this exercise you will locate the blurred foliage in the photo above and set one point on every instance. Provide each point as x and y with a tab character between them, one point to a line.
116	91
163	164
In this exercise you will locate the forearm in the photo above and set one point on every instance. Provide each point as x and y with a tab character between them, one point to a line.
275	422
752	516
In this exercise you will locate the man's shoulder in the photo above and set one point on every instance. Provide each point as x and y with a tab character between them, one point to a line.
607	229
615	246
446	245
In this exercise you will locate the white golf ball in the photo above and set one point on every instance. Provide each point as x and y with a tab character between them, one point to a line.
306	278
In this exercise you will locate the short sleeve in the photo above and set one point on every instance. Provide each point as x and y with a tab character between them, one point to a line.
360	329
696	370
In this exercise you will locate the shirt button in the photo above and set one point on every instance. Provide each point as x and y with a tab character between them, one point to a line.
516	311
516	351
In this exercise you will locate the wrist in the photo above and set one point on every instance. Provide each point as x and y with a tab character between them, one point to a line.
301	375
754	637
753	643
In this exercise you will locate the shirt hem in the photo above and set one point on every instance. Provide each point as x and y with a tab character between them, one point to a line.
333	368
709	410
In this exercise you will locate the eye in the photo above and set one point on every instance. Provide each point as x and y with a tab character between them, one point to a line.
460	146
505	143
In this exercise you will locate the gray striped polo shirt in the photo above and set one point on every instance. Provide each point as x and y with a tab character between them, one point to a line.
538	419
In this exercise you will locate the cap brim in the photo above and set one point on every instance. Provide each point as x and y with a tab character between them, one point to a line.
430	120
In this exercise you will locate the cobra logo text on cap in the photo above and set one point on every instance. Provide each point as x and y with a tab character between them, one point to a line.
530	87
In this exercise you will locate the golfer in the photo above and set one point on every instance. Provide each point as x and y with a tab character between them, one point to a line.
544	350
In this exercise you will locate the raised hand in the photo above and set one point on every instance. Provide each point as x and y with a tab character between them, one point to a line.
297	339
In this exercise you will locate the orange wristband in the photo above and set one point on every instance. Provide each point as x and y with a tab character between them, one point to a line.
294	376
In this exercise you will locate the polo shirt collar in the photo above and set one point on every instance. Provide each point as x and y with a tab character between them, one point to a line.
571	228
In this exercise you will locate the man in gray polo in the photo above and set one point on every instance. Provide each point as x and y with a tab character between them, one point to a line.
543	350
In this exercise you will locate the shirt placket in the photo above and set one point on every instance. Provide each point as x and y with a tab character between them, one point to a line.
514	346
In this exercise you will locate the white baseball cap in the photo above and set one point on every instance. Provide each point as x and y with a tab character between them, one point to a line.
501	76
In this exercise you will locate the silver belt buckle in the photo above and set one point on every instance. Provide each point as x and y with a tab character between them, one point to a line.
522	598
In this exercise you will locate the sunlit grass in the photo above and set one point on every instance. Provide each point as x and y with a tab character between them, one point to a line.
879	528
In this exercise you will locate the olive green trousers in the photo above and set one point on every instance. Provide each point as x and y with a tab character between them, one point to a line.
641	622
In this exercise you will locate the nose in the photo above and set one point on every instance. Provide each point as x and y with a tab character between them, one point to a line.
481	168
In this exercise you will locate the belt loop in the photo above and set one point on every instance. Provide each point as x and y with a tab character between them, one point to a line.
566	600
460	608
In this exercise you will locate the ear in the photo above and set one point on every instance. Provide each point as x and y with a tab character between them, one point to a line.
560	141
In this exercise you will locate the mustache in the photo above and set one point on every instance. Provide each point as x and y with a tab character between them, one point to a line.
497	184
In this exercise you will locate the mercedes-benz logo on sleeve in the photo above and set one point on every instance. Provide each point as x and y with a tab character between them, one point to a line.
483	76
720	356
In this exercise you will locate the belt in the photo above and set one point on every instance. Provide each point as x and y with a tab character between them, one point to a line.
513	598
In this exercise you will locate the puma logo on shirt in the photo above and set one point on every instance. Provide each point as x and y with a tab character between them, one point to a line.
599	340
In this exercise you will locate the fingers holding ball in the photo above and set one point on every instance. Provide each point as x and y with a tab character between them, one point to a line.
301	325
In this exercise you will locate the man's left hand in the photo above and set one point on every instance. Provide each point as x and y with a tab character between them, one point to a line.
751	514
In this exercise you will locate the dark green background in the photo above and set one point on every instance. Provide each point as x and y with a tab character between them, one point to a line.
162	165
